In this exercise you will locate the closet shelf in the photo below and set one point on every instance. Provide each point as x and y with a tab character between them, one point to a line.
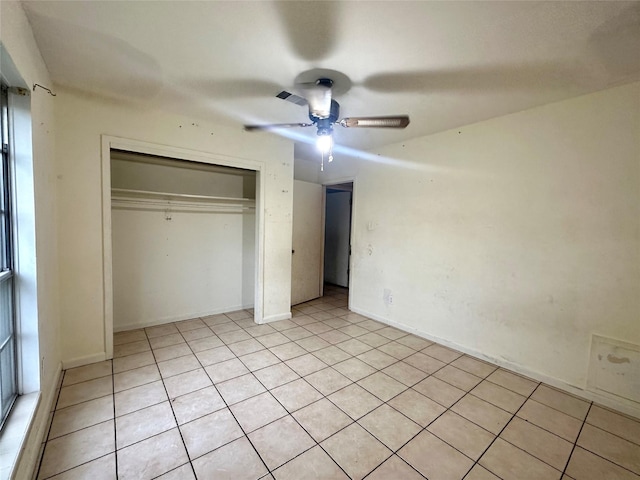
125	192
122	198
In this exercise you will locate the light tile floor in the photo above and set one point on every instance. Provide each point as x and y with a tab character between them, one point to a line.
329	394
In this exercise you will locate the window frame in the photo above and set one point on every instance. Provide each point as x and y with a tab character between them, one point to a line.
8	380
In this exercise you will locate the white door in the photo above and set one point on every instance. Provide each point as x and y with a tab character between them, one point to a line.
307	242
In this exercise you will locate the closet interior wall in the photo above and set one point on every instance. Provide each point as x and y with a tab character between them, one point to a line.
183	239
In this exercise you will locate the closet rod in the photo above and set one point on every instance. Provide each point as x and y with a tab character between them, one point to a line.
124	192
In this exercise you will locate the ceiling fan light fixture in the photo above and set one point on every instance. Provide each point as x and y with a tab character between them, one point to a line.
324	113
324	142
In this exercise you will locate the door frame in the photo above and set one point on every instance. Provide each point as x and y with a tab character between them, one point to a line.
326	185
136	146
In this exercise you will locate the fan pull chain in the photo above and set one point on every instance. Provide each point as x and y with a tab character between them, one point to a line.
322	162
331	153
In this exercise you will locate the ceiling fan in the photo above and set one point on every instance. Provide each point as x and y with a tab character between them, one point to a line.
324	112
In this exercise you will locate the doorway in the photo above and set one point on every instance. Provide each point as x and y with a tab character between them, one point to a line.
337	234
321	244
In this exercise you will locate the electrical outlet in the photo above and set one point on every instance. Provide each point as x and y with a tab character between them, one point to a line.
390	300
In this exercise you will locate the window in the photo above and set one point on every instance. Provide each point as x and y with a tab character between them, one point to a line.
7	310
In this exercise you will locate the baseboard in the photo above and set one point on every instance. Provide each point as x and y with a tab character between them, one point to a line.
31	448
86	360
626	408
177	318
276	318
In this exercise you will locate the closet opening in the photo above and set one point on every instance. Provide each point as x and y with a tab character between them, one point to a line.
183	239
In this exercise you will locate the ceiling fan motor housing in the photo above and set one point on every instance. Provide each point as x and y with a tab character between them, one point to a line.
325	125
324	111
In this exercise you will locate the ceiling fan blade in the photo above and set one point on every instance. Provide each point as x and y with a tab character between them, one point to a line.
318	96
290	97
305	23
478	78
394	121
275	126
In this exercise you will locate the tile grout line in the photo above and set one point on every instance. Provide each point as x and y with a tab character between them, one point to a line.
592	452
53	414
324	397
469	392
608	461
477	462
69	433
555	410
290	414
575	444
610	433
445	364
115	431
184	444
422	429
230	411
383	403
79	465
524	419
173	411
168	399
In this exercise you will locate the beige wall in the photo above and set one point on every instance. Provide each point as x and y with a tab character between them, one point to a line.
81	121
17	38
190	265
516	238
165	178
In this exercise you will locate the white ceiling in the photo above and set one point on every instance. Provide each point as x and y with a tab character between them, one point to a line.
446	64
